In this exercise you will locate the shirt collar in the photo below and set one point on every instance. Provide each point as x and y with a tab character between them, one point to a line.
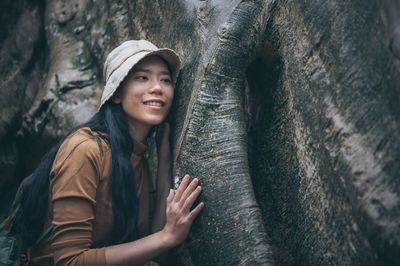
138	147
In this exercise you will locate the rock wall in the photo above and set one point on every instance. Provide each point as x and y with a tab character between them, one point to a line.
287	112
22	65
325	134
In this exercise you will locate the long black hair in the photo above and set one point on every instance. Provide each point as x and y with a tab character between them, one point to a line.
111	120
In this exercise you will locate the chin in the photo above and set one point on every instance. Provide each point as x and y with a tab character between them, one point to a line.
152	120
155	122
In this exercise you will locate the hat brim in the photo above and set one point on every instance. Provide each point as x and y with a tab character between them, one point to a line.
122	71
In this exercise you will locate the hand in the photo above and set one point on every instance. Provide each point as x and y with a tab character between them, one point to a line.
179	215
162	141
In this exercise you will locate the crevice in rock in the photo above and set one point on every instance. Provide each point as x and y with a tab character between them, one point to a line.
265	102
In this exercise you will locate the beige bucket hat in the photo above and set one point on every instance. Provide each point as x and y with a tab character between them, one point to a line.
124	57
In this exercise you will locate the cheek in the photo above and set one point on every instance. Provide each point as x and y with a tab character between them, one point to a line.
171	95
132	89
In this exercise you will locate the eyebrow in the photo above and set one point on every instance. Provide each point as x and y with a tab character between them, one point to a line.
148	71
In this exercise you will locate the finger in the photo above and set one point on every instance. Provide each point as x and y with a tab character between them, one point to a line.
193	214
182	187
191	199
189	190
170	196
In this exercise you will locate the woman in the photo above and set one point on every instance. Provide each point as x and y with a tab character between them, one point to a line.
94	189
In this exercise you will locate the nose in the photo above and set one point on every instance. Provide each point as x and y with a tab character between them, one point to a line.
156	87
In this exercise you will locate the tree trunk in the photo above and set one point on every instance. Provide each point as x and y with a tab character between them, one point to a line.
287	111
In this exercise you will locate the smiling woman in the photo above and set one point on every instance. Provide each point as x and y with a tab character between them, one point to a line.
146	95
93	188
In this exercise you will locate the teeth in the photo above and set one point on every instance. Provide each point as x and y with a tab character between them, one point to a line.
154	103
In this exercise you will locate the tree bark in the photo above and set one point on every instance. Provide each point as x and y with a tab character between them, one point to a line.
325	158
287	112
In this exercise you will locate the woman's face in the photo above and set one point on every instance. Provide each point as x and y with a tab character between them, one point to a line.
146	94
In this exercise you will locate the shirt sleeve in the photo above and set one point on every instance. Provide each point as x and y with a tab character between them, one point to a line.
75	177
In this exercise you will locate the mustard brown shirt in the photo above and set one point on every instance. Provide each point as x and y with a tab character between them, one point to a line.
80	207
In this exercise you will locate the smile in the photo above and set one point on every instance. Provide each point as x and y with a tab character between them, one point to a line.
154	103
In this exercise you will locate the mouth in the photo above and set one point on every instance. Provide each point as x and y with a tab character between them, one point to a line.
157	103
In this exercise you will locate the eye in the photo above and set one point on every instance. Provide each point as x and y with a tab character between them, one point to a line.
166	80
140	77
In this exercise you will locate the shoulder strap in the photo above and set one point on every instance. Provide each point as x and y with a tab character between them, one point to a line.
98	143
16	204
18	195
43	235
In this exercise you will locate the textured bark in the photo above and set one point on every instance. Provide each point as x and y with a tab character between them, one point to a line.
325	158
212	144
287	112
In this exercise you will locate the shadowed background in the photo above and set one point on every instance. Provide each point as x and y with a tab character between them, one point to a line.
287	111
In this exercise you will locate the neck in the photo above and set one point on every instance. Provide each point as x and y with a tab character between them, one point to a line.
139	132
